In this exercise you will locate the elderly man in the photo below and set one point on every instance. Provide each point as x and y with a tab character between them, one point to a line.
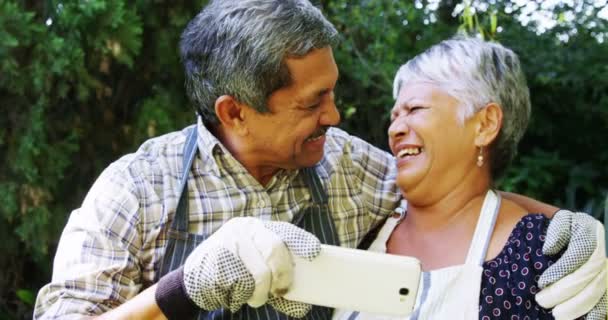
203	222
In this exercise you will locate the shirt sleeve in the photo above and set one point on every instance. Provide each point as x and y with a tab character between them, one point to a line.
96	266
375	174
360	181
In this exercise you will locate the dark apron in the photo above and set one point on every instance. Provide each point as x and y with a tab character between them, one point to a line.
315	218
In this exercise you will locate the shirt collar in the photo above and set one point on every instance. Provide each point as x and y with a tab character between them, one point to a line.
209	147
215	155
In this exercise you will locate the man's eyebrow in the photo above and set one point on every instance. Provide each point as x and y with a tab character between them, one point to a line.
317	95
323	92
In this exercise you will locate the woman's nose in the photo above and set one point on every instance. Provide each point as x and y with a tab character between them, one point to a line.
398	128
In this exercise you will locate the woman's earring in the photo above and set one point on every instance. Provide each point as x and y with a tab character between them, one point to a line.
480	157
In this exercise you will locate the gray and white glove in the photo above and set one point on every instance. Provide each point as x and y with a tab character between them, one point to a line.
576	284
247	260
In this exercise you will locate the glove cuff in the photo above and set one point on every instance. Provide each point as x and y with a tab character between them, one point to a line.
171	296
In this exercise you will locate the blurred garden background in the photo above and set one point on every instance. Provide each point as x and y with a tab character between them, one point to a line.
83	82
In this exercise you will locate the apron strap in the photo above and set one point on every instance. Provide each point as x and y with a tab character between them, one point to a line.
177	233
376	239
317	219
484	229
319	196
180	221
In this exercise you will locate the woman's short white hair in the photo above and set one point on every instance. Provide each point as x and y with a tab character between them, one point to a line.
476	73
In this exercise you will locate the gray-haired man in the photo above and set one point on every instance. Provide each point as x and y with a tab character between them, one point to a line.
203	221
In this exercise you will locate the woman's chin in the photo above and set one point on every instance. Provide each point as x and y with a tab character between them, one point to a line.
407	182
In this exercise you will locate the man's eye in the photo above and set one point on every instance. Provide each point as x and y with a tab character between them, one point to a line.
314	106
414	109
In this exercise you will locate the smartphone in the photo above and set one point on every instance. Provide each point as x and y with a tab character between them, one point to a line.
357	280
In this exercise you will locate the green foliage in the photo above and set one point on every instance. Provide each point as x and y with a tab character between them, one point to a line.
27	296
378	36
562	157
564	150
83	82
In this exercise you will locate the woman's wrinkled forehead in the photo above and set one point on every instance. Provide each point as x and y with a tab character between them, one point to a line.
442	72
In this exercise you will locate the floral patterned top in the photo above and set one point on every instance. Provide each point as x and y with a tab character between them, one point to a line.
510	280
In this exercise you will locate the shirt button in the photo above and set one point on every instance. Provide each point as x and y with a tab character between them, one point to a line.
261	204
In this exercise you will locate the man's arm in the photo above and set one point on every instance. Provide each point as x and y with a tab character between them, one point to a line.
531	205
229	269
246	261
96	263
575	284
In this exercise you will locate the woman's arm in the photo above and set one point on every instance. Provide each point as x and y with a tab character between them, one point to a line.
142	306
531	205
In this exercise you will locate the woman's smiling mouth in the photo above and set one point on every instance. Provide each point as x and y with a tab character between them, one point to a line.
409	152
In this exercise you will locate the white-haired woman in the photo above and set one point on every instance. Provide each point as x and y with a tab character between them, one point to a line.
461	108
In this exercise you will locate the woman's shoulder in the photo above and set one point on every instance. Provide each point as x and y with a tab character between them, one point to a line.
522	257
508	218
525	240
510	280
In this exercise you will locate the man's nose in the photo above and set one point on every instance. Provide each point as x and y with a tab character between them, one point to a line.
330	116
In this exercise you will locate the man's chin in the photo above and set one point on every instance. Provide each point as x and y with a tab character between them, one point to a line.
309	160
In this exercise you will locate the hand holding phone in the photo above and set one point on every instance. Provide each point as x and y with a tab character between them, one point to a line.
357	280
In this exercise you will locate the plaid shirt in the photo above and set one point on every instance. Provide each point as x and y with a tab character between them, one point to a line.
111	247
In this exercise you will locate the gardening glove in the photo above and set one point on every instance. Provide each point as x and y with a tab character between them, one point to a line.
575	284
248	261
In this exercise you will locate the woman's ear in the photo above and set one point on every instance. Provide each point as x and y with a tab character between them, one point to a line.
489	123
231	114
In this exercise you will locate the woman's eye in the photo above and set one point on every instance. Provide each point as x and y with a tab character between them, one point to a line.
413	109
394	116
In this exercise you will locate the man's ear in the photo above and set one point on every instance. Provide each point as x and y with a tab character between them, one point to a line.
489	122
231	114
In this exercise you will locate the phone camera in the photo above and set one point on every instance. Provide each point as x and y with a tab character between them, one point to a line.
404	291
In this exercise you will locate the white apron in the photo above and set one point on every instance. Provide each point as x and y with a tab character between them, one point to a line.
446	293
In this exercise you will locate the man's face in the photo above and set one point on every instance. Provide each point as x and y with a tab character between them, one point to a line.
292	134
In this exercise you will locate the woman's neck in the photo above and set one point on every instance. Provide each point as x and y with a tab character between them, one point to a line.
459	203
439	231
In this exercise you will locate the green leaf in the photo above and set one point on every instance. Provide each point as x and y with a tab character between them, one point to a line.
9	41
350	111
27	296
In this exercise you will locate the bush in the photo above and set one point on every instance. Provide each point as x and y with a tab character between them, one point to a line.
83	82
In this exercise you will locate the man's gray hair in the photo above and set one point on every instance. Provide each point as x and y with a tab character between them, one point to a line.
476	73
238	48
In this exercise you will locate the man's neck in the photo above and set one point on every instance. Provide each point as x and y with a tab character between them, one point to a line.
261	173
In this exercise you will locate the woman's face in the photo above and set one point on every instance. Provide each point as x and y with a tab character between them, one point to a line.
434	149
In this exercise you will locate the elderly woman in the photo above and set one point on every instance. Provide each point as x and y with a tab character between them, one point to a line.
461	108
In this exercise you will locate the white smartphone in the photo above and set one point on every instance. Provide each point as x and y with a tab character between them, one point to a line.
357	280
